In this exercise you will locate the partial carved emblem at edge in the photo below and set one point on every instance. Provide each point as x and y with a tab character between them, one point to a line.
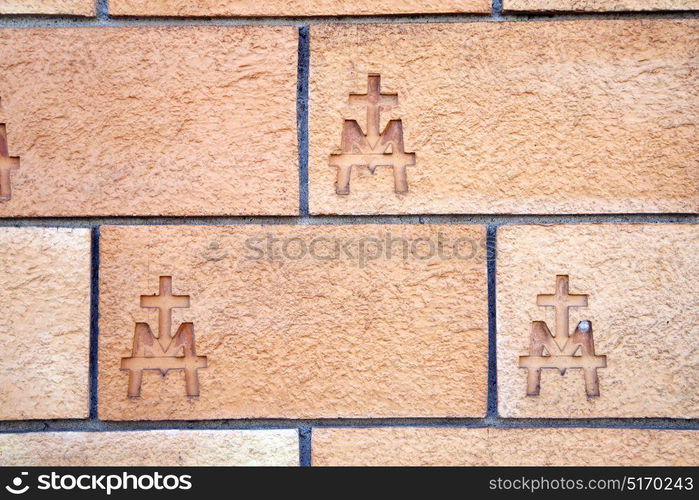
7	165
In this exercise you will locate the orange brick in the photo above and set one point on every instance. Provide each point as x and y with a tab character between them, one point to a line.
150	448
73	7
643	309
508	117
292	7
150	121
315	331
598	5
501	447
45	323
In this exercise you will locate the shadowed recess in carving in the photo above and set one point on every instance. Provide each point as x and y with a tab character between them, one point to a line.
372	149
164	352
7	165
562	351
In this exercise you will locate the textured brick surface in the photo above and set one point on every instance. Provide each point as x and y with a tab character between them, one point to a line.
642	301
74	7
599	5
301	336
524	447
45	323
514	117
292	7
150	121
151	448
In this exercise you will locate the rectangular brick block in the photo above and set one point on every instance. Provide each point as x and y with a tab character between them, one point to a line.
45	323
607	313
292	7
505	117
149	121
503	447
292	322
598	5
71	7
151	448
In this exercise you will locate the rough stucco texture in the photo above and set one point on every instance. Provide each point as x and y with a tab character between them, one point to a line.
502	447
515	117
151	121
303	335
45	323
151	448
643	305
74	7
292	7
599	5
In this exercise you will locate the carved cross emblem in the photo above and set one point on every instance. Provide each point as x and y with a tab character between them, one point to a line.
7	165
164	352
562	351
372	149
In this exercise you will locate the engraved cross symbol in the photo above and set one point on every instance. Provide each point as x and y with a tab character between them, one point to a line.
374	100
562	301
7	164
170	352
165	302
373	149
562	351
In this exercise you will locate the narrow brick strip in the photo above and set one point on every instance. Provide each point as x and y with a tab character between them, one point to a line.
293	7
598	5
151	448
71	7
488	447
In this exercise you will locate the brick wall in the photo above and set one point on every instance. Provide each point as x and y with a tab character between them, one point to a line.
349	233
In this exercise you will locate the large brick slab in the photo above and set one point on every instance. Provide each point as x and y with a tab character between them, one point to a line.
321	329
150	121
45	323
509	117
640	282
598	5
502	447
151	448
74	7
292	7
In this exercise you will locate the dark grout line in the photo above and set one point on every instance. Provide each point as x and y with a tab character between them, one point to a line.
302	115
102	10
493	220
491	249
94	321
305	425
305	446
103	18
497	9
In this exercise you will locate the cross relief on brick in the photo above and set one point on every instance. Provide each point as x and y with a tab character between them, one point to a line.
7	165
373	149
562	351
165	351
